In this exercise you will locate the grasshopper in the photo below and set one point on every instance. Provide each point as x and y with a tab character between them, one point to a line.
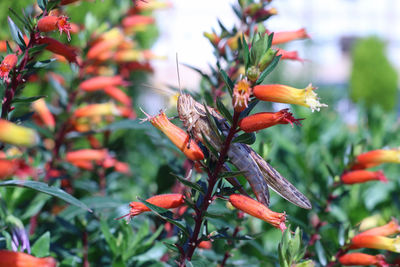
257	171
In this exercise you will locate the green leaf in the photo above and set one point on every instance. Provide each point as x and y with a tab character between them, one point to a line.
321	253
189	183
209	146
60	91
224	111
16	34
268	69
257	50
22	20
213	124
42	4
171	246
270	38
37	49
109	237
27	99
165	214
245	138
246	54
228	82
41	248
43	63
50	190
249	108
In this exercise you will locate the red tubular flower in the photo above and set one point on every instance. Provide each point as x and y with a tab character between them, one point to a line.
7	65
166	201
105	43
285	94
178	136
291	55
258	210
137	20
287	36
375	242
60	49
118	95
388	229
67	2
241	95
377	157
52	23
20	259
101	82
362	176
363	260
264	120
44	113
7	168
87	155
3	46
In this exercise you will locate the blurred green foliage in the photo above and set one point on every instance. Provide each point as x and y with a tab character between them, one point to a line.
373	79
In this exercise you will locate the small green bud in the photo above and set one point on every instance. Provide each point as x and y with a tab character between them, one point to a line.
252	73
267	58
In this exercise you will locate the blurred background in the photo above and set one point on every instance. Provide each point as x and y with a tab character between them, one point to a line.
331	60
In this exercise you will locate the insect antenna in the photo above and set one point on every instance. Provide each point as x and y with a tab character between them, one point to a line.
179	77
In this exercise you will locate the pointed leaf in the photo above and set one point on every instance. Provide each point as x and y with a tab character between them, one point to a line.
50	190
16	34
228	82
245	138
268	69
41	248
224	111
27	99
189	183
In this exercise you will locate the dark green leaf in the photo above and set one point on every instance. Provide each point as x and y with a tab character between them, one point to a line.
245	138
109	237
50	190
189	183
41	248
224	111
165	214
23	21
213	124
27	99
268	69
246	54
228	82
37	48
9	49
43	63
42	4
249	108
171	246
270	38
16	34
209	146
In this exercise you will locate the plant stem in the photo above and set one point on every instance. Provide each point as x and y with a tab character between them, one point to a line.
212	180
227	254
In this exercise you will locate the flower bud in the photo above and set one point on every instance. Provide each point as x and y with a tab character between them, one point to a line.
20	259
166	201
388	229
11	133
7	65
376	157
362	176
362	259
285	94
178	136
264	120
253	73
258	210
375	242
266	59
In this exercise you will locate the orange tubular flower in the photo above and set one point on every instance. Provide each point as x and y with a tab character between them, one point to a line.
205	245
101	82
93	110
59	49
388	229
377	157
105	43
20	259
362	176
52	23
291	55
258	210
11	133
137	20
3	46
363	260
87	155
264	120
178	136
44	113
118	95
287	36
7	168
376	242
285	94
241	95
7	65
166	201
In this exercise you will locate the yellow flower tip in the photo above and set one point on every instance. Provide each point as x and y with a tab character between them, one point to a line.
11	133
312	100
241	95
